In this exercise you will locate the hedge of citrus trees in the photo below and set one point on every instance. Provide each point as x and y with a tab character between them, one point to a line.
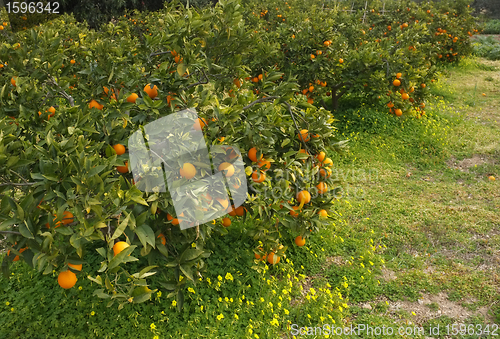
71	97
386	54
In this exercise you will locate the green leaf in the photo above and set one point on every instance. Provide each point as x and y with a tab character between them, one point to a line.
186	269
146	270
96	170
97	279
65	230
139	200
6	223
100	293
146	235
101	251
122	257
180	300
190	254
181	69
285	142
25	231
119	230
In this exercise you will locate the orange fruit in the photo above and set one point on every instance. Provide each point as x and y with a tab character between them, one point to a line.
390	105
66	279
264	165
341	60
95	104
227	169
303	196
273	258
13	81
119	149
151	91
422	85
119	246
405	96
52	110
322	187
321	156
492	178
224	203
259	257
311	88
237	83
304	135
299	241
132	98
293	213
252	154
258	176
398	75
240	211
323	214
188	171
200	124
123	169
328	162
162	238
396	82
398	112
232	211
16	258
226	222
68	218
76	267
72	62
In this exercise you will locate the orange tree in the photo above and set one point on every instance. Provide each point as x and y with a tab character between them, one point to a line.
70	99
333	52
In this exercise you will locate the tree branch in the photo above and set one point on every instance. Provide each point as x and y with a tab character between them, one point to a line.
17	184
297	126
266	99
62	92
19	175
10	232
200	82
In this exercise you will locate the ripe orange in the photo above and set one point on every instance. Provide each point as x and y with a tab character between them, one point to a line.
326	43
66	279
299	241
252	154
321	156
52	110
132	98
16	258
68	218
390	105
273	258
224	203
303	196
232	211
258	176
311	88
293	213
226	222
72	62
492	178
95	104
322	187
200	124
227	169
328	162
422	85
119	149
237	82
396	82
119	246
405	96
323	214
188	171
151	91
123	169
240	211
398	75
304	135
398	112
13	81
162	238
76	267
341	60
264	165
259	257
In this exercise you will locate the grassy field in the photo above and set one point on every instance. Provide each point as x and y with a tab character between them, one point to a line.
414	243
431	202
